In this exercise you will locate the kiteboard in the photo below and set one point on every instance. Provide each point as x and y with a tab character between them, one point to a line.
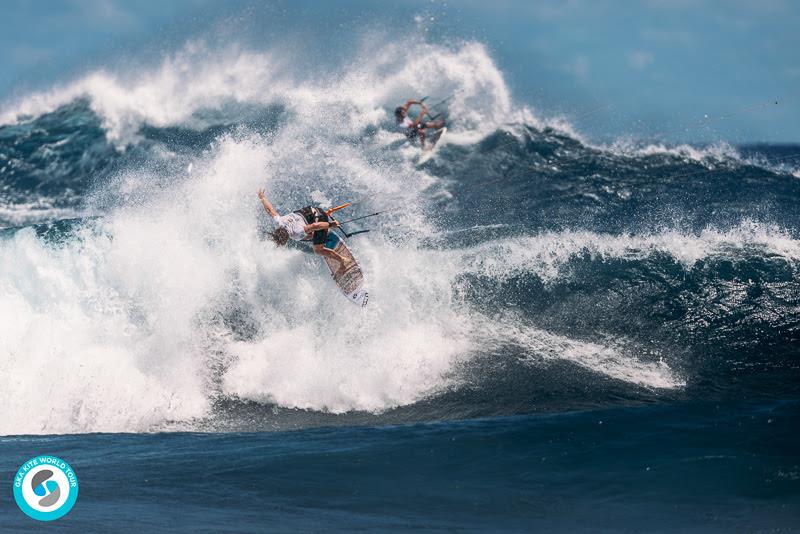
351	279
428	153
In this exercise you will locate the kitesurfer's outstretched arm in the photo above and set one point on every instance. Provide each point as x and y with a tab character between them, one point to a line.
267	206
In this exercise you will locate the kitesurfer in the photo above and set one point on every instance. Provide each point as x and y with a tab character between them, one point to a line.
307	224
415	128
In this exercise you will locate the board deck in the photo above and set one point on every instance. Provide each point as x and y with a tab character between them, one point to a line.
428	154
351	280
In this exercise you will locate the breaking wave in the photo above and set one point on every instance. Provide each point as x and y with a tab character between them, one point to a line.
528	269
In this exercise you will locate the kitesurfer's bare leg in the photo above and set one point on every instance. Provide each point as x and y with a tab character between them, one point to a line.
328	253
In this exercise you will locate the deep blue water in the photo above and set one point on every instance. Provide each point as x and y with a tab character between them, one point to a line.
688	467
562	335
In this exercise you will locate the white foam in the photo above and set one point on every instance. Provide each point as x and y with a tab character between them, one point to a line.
73	357
121	331
546	254
27	213
713	153
612	360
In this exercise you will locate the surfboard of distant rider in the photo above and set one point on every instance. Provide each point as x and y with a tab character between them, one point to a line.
437	141
351	279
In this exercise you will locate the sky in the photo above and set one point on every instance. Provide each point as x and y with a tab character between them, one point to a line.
680	70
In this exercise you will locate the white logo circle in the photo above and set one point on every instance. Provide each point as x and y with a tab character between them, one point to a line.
53	497
45	487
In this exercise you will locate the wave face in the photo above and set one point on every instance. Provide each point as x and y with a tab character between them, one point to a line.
526	269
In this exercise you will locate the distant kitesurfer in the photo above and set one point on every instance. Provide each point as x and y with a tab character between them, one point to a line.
307	224
415	128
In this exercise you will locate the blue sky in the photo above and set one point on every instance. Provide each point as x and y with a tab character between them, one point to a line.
662	66
696	70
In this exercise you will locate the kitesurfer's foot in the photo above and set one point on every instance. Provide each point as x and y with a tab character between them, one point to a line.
343	266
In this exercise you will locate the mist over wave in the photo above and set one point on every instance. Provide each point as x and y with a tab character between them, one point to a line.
528	269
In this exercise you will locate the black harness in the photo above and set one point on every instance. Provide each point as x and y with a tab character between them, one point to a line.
312	215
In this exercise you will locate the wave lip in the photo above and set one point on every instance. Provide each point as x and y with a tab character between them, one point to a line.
546	253
607	360
198	78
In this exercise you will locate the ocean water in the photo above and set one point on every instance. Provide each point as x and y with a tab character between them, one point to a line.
562	334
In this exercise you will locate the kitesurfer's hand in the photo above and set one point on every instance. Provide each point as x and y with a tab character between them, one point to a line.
261	194
334	224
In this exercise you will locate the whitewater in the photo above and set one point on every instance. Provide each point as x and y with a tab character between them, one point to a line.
146	297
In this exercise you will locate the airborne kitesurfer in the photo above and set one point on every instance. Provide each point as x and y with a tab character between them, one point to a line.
415	128
306	224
